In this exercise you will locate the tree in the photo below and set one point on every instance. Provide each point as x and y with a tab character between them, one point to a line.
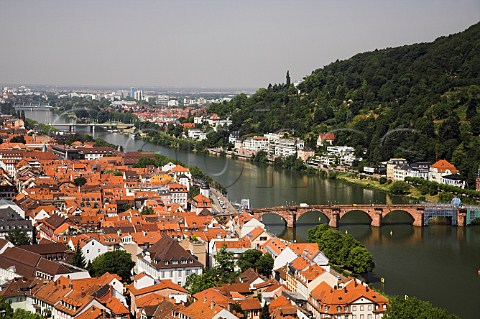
18	139
6	309
225	268
287	82
399	188
196	283
348	244
249	259
316	232
360	260
147	211
412	307
24	314
265	314
252	258
80	181
78	258
115	262
18	237
330	243
264	265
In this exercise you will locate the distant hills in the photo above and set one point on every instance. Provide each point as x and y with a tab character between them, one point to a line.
416	101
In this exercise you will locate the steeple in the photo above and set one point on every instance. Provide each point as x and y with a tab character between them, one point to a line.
205	189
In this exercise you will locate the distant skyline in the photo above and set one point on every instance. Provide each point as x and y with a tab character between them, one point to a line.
209	44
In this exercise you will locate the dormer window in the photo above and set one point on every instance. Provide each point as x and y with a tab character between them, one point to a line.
166	262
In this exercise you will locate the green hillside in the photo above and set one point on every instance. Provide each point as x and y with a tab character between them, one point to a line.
416	101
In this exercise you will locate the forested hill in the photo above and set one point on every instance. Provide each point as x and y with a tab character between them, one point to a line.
416	101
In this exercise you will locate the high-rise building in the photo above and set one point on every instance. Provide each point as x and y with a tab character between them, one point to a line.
138	95
132	92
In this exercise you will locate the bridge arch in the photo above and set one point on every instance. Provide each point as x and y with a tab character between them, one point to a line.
362	217
320	218
273	219
398	216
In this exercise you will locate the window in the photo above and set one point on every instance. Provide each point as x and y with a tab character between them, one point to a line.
361	308
369	307
354	308
88	251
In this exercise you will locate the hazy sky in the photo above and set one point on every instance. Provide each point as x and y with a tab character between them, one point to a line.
222	43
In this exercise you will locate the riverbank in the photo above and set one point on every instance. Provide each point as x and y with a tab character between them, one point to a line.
376	185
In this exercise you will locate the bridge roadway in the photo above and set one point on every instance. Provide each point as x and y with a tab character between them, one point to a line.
420	213
71	126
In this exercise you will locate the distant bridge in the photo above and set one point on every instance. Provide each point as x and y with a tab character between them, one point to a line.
109	125
32	107
420	213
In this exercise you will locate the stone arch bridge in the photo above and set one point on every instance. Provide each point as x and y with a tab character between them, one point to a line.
376	212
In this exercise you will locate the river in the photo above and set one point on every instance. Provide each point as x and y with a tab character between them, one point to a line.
437	263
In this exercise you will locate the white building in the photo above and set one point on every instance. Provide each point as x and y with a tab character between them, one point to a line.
196	134
255	144
166	259
91	249
287	146
439	169
178	194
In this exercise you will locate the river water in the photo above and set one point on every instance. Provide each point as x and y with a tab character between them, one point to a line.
437	263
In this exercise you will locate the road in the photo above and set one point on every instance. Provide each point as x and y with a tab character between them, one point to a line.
217	196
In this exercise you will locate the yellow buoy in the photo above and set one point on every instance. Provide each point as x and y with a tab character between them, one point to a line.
391	232
382	280
346	231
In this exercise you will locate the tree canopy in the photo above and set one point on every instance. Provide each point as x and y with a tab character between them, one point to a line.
18	237
412	307
115	262
8	313
78	258
341	249
223	272
253	258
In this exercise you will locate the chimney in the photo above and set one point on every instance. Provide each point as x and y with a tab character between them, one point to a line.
230	306
212	304
205	299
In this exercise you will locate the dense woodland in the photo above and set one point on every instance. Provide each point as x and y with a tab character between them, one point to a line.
416	101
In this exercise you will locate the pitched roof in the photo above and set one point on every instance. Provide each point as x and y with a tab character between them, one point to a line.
442	166
168	249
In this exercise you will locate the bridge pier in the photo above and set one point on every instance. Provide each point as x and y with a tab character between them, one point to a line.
418	219
92	128
70	128
461	218
335	219
376	219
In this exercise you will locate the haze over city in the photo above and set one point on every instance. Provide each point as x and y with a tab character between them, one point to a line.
208	43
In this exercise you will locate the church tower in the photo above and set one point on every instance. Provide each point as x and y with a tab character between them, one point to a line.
205	189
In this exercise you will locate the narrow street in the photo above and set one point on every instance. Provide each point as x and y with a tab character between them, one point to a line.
220	203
